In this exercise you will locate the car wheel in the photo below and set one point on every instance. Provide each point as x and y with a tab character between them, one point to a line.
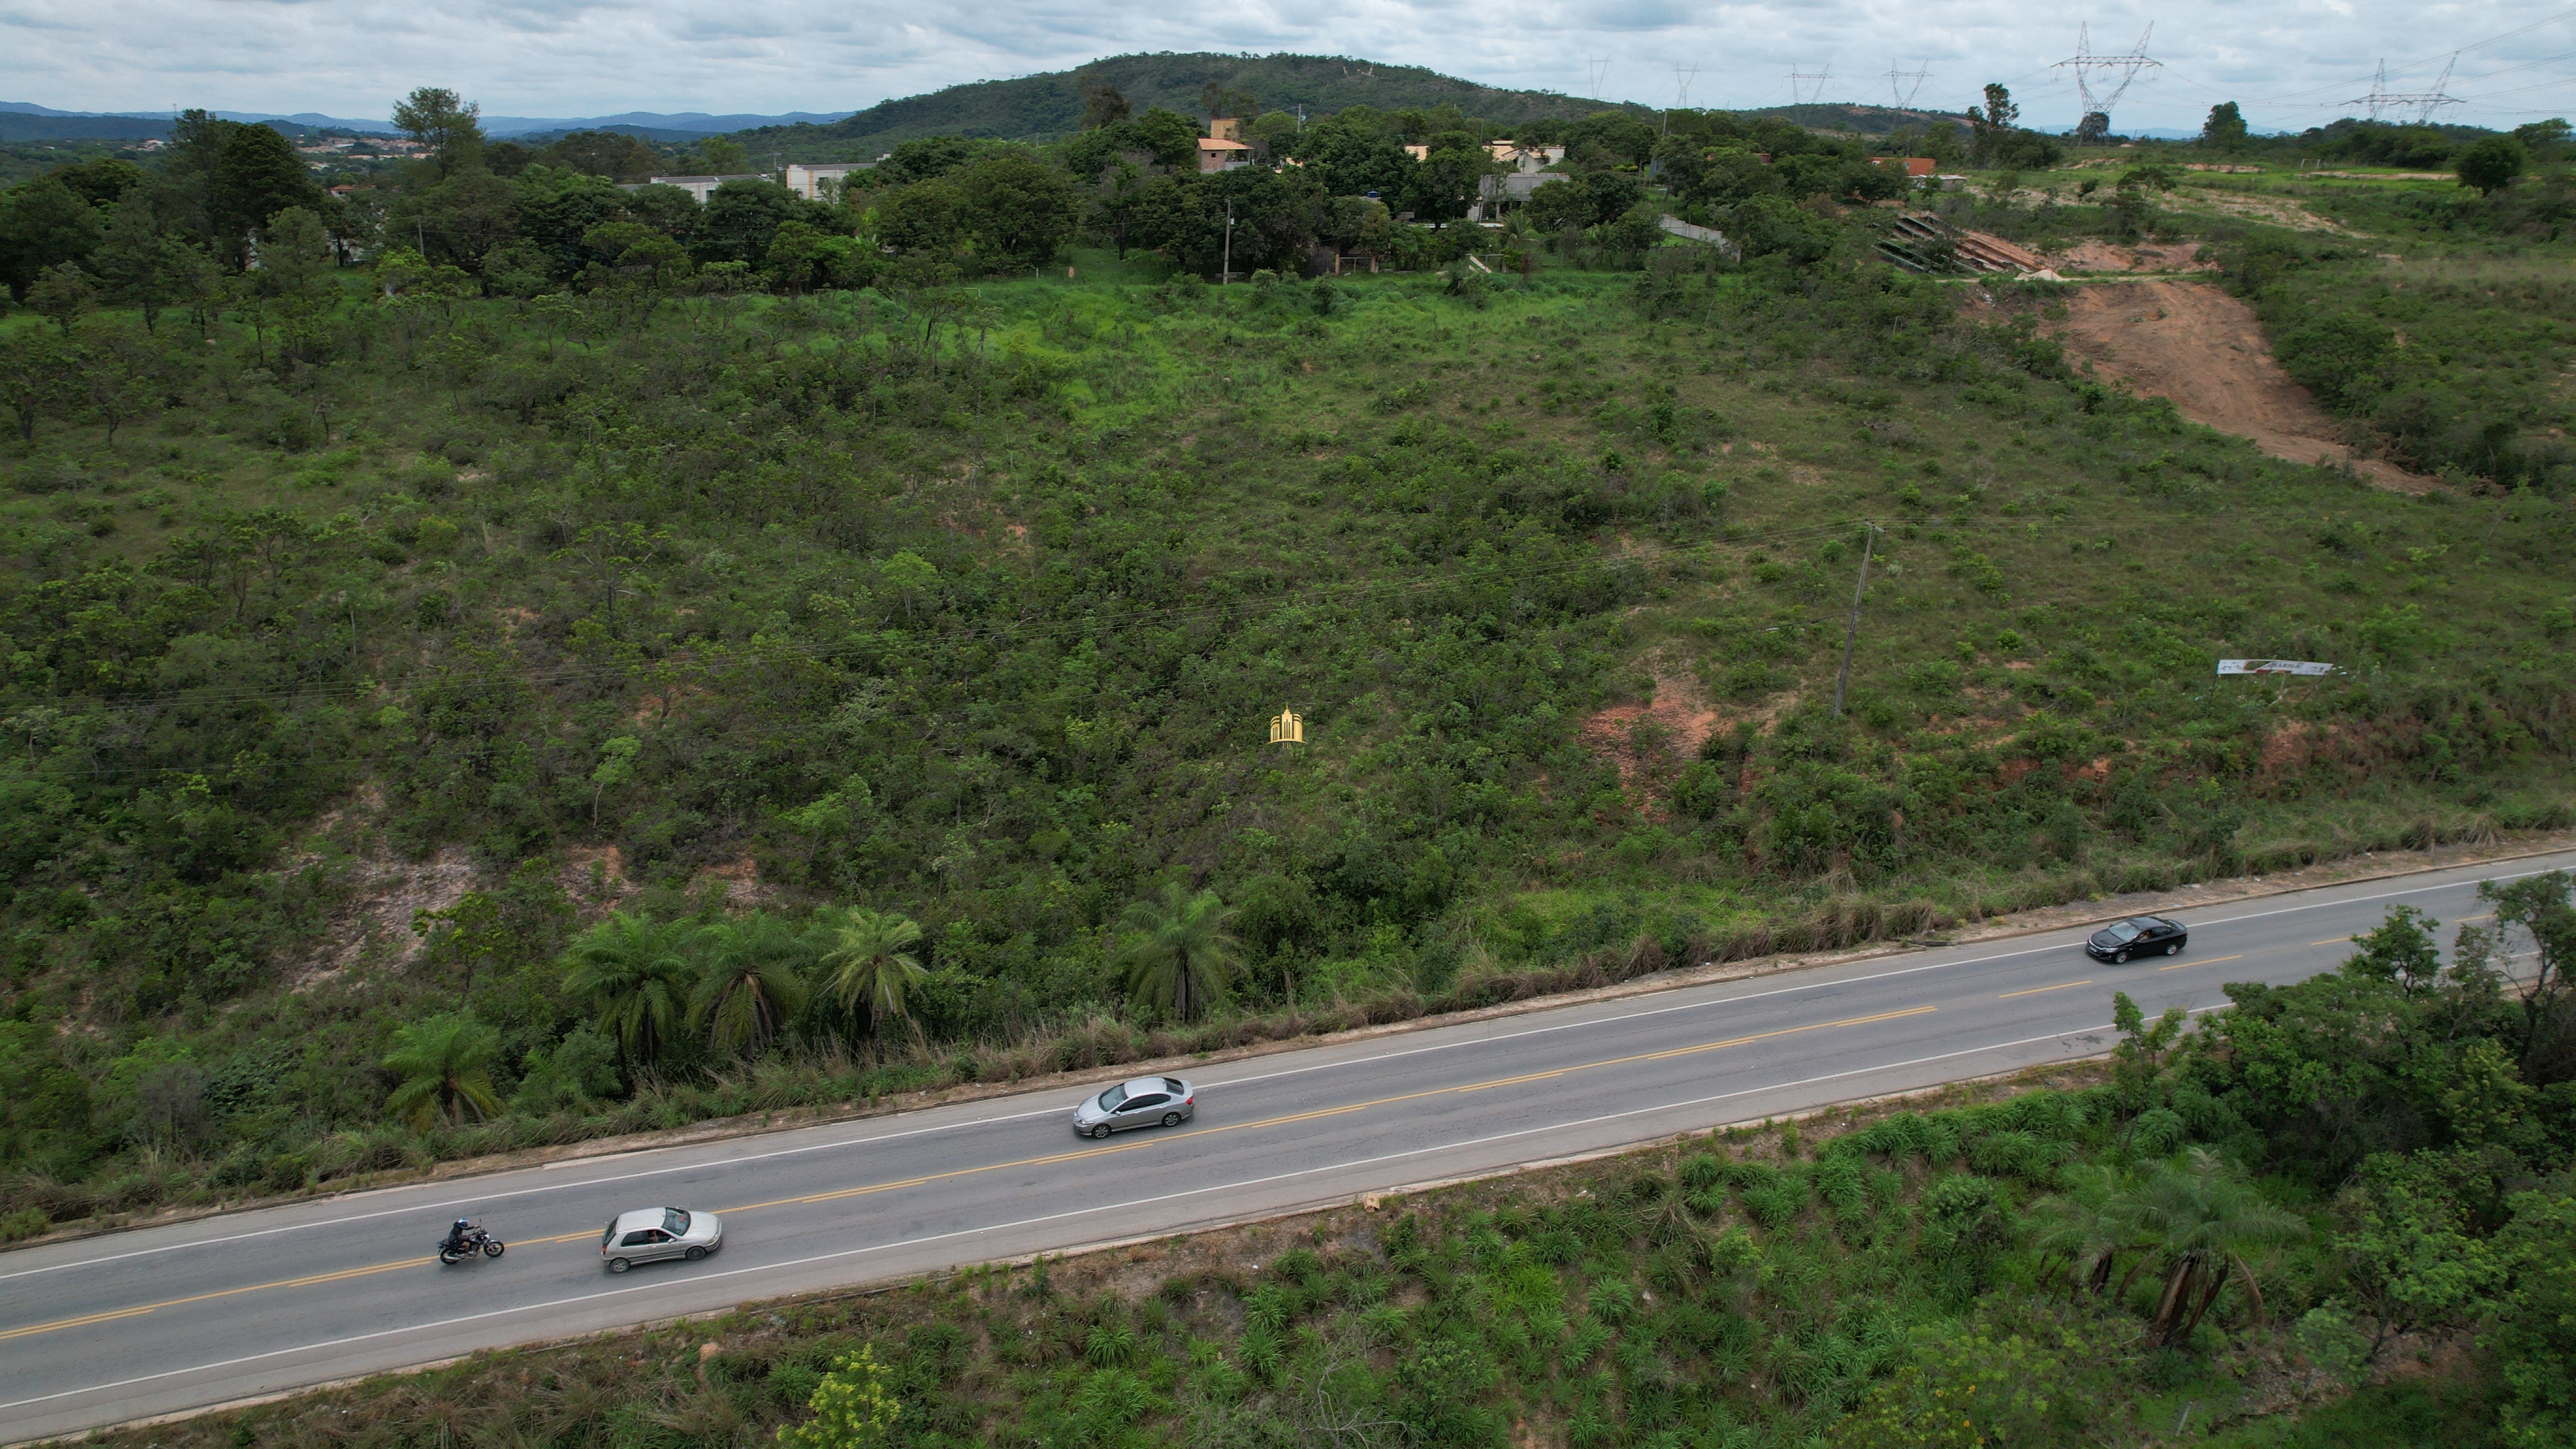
618	1265
695	1255
1100	1131
1171	1119
2174	948
2120	958
492	1249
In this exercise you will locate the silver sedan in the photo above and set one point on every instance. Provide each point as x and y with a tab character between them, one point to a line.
650	1234
1146	1101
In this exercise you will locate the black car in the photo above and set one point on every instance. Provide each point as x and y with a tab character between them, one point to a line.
2137	936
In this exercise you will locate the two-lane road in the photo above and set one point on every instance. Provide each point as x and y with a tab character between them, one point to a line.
164	1319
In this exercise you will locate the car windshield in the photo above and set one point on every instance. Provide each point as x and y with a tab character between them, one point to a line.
2124	931
674	1221
1113	1096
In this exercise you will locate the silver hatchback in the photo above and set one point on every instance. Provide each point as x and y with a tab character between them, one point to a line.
650	1234
1146	1101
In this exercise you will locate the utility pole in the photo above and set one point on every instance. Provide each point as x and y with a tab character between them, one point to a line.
1851	632
1226	276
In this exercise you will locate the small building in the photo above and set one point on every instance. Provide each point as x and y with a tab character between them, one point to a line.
1223	153
1226	128
1917	168
700	187
1525	160
806	178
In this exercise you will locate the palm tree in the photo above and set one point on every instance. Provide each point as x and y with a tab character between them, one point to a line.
2088	1223
442	1061
1178	955
871	965
2205	1218
754	981
635	972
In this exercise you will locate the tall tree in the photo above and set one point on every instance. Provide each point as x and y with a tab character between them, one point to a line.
1102	105
448	124
143	265
870	957
43	224
636	974
1992	124
753	982
2225	130
1178	954
445	1065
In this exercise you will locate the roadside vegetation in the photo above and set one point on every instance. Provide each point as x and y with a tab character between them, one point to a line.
2335	1212
606	664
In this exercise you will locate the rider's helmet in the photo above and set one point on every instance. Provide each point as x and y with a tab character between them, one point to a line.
461	1226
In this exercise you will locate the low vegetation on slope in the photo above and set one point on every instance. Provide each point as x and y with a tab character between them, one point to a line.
2286	1212
451	710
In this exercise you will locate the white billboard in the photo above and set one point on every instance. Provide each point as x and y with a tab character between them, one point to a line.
2273	666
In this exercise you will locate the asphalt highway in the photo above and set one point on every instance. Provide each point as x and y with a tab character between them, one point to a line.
160	1320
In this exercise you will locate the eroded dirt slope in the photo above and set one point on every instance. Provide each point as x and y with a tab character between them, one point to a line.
2192	343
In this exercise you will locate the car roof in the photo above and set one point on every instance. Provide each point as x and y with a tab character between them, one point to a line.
1142	1085
640	1218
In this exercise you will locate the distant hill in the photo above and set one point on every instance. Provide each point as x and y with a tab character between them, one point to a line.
23	121
654	125
1044	107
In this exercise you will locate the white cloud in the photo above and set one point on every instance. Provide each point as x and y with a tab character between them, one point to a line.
2291	64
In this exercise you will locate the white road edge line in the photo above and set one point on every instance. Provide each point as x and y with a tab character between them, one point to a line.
346	1339
485	1200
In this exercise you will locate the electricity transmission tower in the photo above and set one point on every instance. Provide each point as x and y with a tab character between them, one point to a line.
1902	84
1683	75
1798	84
2094	72
1600	67
2422	103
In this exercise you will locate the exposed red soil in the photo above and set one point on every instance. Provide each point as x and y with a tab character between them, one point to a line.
2202	349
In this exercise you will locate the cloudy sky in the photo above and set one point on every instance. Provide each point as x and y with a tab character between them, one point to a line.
2292	63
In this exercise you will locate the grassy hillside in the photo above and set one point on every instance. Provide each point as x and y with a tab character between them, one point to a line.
551	686
1046	107
980	620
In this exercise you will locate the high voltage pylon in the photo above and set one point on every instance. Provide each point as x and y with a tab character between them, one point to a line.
2088	65
1902	84
2422	103
1600	67
1798	81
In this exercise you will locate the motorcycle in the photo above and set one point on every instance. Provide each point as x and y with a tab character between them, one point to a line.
452	1251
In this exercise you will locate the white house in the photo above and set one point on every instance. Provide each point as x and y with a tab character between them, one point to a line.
806	178
698	187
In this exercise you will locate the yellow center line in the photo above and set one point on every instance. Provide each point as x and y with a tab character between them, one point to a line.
2332	941
2034	991
1047	1160
2212	961
307	1281
1053	1158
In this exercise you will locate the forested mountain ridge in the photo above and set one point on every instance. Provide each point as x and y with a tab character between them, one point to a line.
1049	106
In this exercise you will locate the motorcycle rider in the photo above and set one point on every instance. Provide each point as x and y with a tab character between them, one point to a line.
462	1237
